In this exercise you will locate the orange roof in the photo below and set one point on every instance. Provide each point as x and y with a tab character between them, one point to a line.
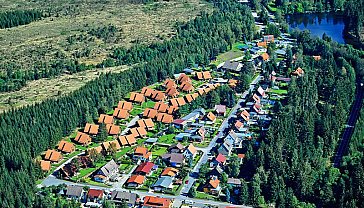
241	156
106	119
97	149
169	83
233	82
161	107
183	78
298	72
91	129
172	109
245	114
116	143
127	140
256	98
53	156
121	113
262	44
211	116
186	86
137	97
66	147
138	132
201	92
112	129
195	95
157	202
192	149
147	91
158	95
125	105
45	165
172	92
317	58
140	151
211	86
214	183
239	124
139	179
165	118
189	98
150	113
178	101
170	172
146	123
82	138
203	75
265	56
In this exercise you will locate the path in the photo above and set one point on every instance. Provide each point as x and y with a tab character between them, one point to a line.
349	129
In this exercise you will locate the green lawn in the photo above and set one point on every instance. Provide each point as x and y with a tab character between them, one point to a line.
148	104
94	183
158	151
279	92
136	111
202	195
167	139
123	151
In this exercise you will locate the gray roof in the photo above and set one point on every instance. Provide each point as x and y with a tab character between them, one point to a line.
234	181
109	168
164	181
151	140
74	190
232	65
124	196
174	157
177	146
225	147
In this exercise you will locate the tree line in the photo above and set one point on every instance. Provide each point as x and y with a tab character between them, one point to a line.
15	18
27	132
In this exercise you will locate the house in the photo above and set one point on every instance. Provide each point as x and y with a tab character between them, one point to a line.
177	102
204	75
158	95
189	98
156	202
138	132
188	71
220	80
98	150
114	144
53	156
84	161
186	87
137	97
67	171
172	109
213	186
257	107
234	182
165	118
106	119
239	126
74	192
147	92
172	92
106	171
146	123
316	58
118	197
183	78
298	72
261	91
226	148
121	113
194	115
220	110
169	171
190	151
82	138
91	129
161	107
220	160
66	147
127	140
144	168
262	44
135	181
201	92
163	183
142	154
125	105
183	136
180	123
176	148
197	134
233	83
174	159
211	117
150	113
234	139
264	56
169	83
232	66
268	38
95	195
45	165
256	98
112	129
245	115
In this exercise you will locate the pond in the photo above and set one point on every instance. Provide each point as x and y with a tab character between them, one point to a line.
319	23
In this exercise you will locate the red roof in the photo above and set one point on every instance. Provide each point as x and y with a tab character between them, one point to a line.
221	158
95	193
145	167
152	201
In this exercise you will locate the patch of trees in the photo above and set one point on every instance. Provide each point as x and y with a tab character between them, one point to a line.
26	132
354	11
105	33
19	17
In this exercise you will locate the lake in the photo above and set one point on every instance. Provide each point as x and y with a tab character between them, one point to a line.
318	24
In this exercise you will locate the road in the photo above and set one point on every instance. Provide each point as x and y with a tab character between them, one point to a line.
349	130
130	124
224	125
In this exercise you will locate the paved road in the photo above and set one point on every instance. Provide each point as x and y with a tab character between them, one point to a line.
224	125
349	130
130	124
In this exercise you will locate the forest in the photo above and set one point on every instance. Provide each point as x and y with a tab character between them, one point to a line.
19	17
30	130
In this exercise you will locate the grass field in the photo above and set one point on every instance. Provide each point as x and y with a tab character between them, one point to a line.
235	52
167	139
